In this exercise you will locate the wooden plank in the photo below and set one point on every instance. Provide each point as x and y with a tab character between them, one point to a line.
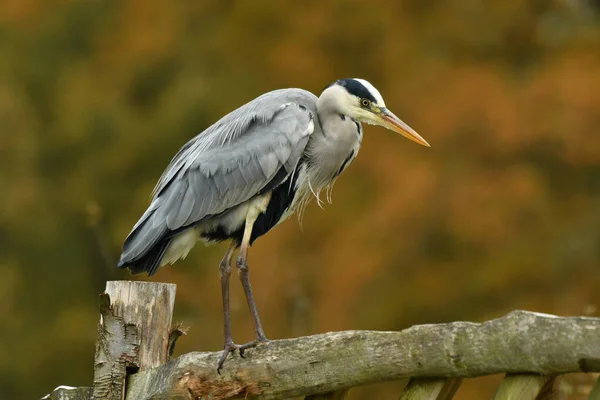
133	333
430	389
336	395
595	392
526	387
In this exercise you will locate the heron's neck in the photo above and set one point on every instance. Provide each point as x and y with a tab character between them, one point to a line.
333	115
331	148
338	139
331	110
338	127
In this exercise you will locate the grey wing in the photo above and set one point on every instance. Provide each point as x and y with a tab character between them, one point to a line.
233	126
213	178
223	177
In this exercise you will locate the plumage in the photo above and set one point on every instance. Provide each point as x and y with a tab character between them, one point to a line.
251	170
211	175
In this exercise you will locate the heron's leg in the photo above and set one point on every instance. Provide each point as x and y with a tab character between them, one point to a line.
225	272
242	266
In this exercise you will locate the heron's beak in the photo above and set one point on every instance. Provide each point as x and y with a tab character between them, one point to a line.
391	122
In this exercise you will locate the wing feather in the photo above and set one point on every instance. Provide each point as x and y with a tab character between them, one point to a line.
269	163
282	153
186	206
172	206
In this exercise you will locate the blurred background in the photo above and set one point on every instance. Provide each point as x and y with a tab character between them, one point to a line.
501	213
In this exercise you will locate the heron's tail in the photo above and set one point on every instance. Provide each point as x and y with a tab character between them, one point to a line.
149	262
145	246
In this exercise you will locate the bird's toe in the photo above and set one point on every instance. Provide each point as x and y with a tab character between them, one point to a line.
254	343
229	347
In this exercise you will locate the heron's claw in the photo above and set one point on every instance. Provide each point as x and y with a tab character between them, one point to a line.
230	347
244	347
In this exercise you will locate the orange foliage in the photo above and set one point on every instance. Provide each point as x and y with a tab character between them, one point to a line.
501	213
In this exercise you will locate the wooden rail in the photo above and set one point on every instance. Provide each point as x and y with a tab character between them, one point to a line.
135	340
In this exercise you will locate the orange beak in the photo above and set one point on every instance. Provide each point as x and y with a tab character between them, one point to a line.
393	123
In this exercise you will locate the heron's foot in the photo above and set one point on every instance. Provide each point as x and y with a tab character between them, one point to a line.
229	347
254	343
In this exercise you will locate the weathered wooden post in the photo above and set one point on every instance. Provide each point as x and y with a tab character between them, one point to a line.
133	333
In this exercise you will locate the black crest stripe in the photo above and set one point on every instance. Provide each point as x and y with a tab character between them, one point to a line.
356	88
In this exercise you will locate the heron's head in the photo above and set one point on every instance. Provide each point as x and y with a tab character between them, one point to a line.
358	99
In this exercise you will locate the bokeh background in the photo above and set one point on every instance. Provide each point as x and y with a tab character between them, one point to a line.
501	213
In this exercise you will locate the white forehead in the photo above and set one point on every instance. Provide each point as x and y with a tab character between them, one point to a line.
372	90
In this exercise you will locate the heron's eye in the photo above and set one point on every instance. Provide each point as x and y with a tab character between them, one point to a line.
365	103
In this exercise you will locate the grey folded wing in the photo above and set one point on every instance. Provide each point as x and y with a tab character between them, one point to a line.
211	176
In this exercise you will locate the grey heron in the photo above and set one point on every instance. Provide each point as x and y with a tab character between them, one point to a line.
248	172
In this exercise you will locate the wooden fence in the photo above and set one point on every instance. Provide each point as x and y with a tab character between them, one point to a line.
136	340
